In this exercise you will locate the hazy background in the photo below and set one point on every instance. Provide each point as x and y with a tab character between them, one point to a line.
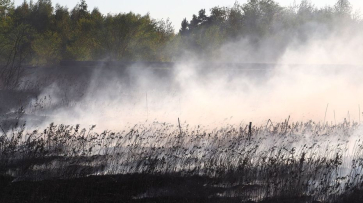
303	61
176	10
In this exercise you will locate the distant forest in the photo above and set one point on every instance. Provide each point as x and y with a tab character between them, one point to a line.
36	33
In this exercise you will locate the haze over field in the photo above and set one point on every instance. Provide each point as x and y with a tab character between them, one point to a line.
257	101
314	55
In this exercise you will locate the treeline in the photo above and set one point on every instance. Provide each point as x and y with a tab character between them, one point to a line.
48	35
38	33
263	24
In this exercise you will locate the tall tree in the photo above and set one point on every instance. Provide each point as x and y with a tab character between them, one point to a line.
184	27
343	7
5	6
41	15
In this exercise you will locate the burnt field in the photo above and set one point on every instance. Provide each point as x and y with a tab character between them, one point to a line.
258	101
285	162
90	132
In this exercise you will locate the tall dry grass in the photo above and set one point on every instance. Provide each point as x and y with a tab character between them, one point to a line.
319	161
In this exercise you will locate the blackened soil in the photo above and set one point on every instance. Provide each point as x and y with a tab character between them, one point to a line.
120	188
136	188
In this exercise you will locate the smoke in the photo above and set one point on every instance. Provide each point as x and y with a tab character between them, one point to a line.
215	97
309	75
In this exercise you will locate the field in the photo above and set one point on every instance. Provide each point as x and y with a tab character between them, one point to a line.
270	162
152	161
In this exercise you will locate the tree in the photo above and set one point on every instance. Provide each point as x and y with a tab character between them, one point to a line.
5	6
14	52
41	16
193	23
63	28
80	11
218	15
343	7
47	48
202	17
184	27
81	41
235	21
259	15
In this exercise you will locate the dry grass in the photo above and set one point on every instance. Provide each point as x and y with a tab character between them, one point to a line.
278	160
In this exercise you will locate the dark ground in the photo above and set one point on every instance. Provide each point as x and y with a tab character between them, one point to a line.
120	188
132	188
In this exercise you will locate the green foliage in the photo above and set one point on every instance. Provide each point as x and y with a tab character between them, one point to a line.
14	50
5	7
79	34
259	20
47	48
56	33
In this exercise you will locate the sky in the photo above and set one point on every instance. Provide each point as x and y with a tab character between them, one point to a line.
175	10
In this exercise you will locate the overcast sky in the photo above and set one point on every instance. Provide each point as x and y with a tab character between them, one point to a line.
175	10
